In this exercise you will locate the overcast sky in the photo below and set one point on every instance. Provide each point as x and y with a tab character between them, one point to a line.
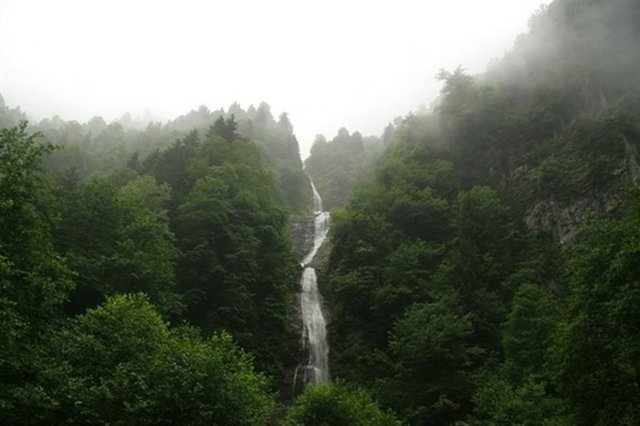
327	63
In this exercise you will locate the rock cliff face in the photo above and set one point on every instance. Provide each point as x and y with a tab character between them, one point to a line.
562	217
632	161
301	231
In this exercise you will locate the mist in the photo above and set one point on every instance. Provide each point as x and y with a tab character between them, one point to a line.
358	65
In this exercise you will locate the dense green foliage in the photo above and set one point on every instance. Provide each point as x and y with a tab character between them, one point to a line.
126	366
596	352
337	405
131	248
237	271
198	232
120	364
34	280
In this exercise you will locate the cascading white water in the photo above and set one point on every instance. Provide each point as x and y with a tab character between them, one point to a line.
314	331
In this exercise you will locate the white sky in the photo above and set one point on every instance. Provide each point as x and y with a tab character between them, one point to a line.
327	63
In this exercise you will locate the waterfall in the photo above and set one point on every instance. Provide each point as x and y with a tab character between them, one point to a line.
314	330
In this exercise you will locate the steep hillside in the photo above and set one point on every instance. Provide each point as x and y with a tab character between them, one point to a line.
447	281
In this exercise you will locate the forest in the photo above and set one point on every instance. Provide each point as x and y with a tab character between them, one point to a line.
482	265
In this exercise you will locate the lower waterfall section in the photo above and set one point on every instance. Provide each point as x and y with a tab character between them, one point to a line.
314	331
